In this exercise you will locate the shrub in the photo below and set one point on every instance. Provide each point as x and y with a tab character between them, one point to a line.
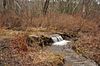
20	42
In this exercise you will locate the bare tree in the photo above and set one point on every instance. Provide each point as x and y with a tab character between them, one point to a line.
4	3
46	7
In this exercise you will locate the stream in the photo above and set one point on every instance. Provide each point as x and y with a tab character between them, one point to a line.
71	58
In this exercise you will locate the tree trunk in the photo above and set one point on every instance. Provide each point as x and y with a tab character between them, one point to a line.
45	8
4	3
8	4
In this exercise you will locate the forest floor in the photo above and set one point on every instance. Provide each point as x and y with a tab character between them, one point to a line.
14	50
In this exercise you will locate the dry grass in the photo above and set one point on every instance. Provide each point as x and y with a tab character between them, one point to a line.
16	52
20	42
51	21
88	43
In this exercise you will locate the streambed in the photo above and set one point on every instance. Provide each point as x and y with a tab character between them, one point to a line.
71	58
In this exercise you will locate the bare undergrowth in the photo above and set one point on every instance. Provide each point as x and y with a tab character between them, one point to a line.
88	31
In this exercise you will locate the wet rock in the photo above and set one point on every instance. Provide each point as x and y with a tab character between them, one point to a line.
45	41
41	40
71	57
69	36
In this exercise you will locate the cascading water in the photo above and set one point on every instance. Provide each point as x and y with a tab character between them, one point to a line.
61	46
54	39
58	40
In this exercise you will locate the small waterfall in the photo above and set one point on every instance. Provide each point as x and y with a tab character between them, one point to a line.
54	39
60	38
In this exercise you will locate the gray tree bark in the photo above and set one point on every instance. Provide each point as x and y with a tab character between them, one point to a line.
45	8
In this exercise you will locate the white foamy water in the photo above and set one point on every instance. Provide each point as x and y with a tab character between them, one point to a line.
61	43
54	39
58	40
